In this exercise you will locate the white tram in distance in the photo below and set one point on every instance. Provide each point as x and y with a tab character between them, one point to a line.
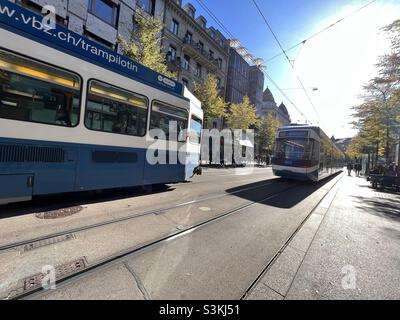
76	120
305	153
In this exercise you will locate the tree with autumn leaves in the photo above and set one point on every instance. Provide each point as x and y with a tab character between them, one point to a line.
378	117
144	47
213	104
242	115
266	134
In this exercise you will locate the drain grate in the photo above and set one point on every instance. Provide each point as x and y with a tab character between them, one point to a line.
42	243
61	271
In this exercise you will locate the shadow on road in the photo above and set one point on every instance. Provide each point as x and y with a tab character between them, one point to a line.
61	201
285	200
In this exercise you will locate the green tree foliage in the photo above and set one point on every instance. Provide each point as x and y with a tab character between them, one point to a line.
266	133
212	103
378	118
144	46
242	115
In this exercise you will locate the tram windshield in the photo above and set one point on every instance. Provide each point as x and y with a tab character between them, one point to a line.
289	148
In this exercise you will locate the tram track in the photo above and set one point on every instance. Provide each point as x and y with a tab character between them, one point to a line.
287	242
120	256
18	244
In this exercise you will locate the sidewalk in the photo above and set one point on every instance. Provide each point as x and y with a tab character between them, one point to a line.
349	248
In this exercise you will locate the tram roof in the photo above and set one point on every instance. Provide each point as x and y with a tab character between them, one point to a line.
301	127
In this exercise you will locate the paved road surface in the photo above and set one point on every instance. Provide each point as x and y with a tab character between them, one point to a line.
244	219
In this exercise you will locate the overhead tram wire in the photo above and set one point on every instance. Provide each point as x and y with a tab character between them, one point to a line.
322	30
217	21
288	59
286	97
228	33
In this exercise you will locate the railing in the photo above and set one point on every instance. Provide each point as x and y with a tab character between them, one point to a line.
175	62
200	49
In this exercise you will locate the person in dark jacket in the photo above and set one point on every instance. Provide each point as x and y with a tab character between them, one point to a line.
349	168
358	168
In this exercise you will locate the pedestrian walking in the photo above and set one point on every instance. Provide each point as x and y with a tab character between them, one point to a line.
349	168
358	169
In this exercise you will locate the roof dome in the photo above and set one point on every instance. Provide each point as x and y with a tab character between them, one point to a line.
268	96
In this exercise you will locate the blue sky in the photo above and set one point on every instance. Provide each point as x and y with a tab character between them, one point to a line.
338	62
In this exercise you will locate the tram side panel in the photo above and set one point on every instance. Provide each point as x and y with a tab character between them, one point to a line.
39	156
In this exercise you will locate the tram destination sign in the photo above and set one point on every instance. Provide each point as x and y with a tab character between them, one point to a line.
29	24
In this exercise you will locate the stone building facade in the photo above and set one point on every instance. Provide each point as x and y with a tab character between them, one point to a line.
193	49
269	106
244	80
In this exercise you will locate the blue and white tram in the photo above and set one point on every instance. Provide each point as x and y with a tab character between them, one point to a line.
78	117
305	153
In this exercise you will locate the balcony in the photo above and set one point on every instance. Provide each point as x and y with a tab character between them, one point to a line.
174	64
196	51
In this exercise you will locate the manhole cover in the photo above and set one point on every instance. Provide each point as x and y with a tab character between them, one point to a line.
59	213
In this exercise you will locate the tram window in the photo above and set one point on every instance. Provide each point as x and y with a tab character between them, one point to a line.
195	130
32	91
166	118
111	109
295	149
315	149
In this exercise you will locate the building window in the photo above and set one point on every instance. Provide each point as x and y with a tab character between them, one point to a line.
147	5
99	40
38	9
219	82
171	53
213	34
219	61
211	55
104	10
198	70
35	92
221	42
186	62
188	37
200	45
175	27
